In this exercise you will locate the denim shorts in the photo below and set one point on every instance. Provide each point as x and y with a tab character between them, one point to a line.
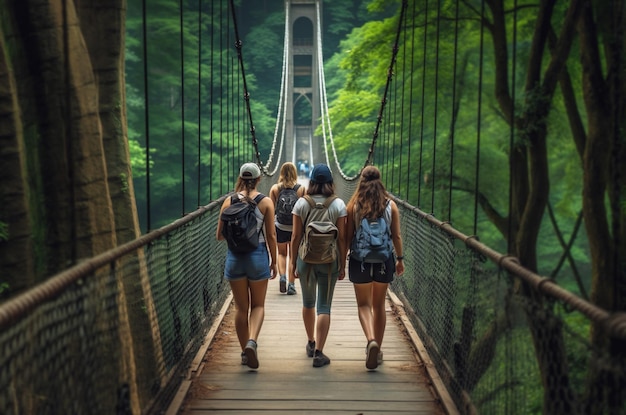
254	265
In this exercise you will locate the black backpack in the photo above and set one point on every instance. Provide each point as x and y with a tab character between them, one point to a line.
239	226
287	198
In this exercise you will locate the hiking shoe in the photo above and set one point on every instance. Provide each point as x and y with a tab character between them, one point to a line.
251	358
283	284
310	348
244	359
320	359
291	289
371	361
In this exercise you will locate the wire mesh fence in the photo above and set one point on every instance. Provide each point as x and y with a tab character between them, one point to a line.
115	334
501	341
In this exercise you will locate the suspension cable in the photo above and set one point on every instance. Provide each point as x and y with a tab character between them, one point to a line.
147	110
480	103
182	105
389	76
435	111
198	161
454	107
238	45
423	103
410	128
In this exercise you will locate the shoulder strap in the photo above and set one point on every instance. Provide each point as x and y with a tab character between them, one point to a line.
259	197
296	187
329	200
309	199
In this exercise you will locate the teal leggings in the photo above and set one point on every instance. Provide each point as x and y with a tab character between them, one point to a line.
315	278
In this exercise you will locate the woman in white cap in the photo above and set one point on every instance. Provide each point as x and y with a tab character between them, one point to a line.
248	273
319	277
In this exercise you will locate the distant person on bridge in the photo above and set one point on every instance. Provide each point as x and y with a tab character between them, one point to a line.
248	273
372	276
284	194
320	277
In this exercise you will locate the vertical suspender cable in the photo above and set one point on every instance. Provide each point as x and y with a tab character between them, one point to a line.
198	161
512	127
69	150
478	126
221	126
402	99
436	111
454	107
147	111
182	105
424	52
410	127
211	98
389	76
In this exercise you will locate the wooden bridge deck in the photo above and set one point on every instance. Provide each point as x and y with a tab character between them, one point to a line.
286	382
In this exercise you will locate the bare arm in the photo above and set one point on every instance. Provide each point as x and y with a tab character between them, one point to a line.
296	238
267	208
396	237
343	251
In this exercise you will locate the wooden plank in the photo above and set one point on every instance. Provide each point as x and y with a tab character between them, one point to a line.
286	382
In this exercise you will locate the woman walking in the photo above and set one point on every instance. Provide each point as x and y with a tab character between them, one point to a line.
284	194
318	279
248	273
371	277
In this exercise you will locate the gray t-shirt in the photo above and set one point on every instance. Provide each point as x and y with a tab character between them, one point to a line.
336	210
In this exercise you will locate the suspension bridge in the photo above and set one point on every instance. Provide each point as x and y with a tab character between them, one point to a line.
146	327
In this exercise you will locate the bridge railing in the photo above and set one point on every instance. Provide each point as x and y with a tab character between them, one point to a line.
116	332
119	331
503	339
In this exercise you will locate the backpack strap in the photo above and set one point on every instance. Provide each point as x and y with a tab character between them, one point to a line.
312	203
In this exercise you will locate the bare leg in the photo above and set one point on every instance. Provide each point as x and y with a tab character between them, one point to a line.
308	316
282	258
364	298
322	326
242	302
378	311
258	290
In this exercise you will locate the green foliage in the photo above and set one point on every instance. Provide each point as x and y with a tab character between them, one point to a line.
4	231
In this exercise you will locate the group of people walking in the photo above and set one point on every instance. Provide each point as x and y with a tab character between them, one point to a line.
249	273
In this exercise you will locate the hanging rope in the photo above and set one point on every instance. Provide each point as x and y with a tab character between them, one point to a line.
238	46
147	109
182	105
410	127
478	122
424	59
389	76
198	161
455	106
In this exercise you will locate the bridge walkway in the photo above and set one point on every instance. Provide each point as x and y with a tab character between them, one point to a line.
286	382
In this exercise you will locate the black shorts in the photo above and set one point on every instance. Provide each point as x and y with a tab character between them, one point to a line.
282	236
361	273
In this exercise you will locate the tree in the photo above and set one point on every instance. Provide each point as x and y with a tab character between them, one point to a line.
66	186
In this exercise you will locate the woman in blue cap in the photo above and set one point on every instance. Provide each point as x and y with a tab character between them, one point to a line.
318	277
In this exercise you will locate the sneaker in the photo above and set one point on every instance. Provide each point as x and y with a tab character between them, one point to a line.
291	289
244	358
320	359
371	361
283	284
251	358
310	348
380	358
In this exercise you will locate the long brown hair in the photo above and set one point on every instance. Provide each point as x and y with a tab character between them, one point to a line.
246	185
288	176
370	197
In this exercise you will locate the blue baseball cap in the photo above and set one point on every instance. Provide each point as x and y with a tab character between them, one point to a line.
321	174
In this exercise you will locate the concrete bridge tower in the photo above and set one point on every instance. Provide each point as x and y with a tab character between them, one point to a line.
303	83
